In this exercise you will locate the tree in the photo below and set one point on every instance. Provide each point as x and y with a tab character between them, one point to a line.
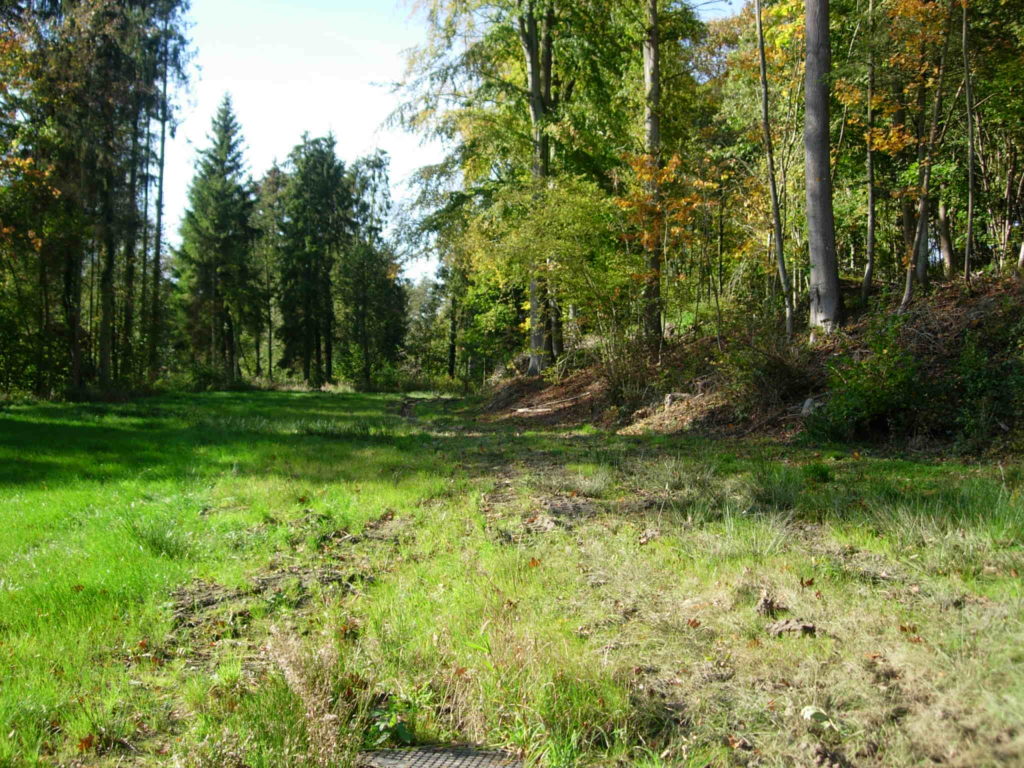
780	254
826	299
652	123
316	226
370	295
217	243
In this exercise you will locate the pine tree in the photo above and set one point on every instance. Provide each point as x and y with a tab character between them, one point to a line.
317	201
217	246
372	299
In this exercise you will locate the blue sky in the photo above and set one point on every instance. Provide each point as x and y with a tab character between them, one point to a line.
293	66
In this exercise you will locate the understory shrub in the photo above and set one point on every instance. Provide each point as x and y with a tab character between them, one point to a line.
873	393
765	371
990	380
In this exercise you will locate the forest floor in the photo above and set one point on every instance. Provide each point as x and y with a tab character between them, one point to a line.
271	579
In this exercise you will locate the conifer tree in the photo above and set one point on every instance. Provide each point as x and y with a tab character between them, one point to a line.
217	245
317	201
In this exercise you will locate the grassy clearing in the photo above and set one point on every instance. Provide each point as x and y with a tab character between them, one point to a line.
285	578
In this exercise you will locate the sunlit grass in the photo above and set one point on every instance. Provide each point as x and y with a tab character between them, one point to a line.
285	578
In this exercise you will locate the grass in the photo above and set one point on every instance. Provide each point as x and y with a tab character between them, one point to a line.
268	579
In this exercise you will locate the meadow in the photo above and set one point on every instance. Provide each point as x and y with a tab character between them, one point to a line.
287	578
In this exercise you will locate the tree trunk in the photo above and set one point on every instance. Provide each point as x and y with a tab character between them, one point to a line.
780	255
538	53
107	285
158	244
652	122
453	329
73	309
969	93
869	267
826	299
144	265
557	326
131	235
946	242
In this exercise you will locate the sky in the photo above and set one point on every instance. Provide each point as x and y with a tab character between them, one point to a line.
293	66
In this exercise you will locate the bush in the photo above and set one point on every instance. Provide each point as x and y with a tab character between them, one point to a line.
765	373
990	383
873	394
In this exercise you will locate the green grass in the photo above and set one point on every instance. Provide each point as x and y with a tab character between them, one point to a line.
271	579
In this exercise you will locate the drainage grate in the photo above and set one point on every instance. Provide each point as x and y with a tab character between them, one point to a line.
437	757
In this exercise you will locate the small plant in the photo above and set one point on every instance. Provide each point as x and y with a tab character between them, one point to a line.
991	384
392	722
776	486
817	473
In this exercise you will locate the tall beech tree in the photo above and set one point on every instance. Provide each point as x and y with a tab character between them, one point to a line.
826	299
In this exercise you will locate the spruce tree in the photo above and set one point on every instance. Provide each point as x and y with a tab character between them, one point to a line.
217	245
317	202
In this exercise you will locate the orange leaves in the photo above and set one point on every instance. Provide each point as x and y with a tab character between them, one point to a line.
657	205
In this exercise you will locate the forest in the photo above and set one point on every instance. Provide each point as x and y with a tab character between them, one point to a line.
698	442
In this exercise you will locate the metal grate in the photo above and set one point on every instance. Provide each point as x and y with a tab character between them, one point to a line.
437	757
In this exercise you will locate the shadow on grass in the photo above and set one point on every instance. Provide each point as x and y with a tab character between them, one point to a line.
321	438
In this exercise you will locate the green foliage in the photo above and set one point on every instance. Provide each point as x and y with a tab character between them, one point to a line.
761	371
874	393
989	375
215	261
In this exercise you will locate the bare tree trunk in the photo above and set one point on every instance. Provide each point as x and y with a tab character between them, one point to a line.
1020	259
780	256
453	330
969	93
924	181
537	47
946	242
72	300
144	264
131	236
557	326
107	308
154	292
869	267
652	121
826	298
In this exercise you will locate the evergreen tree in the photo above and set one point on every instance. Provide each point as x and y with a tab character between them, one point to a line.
217	246
372	298
316	225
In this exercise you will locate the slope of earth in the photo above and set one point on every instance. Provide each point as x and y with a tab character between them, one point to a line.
960	351
271	579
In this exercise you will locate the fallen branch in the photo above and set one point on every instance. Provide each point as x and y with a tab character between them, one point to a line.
550	407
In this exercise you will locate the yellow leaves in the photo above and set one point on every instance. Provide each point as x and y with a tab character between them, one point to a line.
891	140
847	93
